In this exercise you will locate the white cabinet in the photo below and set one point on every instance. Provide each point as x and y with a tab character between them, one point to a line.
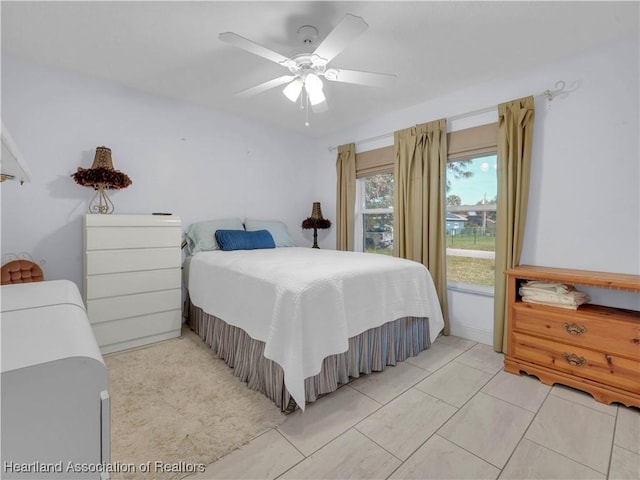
55	401
132	278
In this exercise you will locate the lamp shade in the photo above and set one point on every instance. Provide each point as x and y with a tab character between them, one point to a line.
316	220
102	173
293	90
313	86
102	158
316	212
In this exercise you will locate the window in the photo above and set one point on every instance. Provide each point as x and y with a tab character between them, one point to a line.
374	213
374	201
471	196
471	222
471	206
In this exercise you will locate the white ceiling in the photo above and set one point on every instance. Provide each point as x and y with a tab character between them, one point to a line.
172	48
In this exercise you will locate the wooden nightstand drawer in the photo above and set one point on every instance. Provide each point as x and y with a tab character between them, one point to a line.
591	326
595	365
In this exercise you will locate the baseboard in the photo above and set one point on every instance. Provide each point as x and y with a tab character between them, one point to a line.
139	342
472	333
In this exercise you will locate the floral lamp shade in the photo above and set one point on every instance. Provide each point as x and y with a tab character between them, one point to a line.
316	221
101	176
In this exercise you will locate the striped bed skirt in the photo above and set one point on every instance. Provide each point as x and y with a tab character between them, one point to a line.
371	351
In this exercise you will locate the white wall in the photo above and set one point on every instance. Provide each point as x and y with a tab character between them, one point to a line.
584	203
191	161
584	208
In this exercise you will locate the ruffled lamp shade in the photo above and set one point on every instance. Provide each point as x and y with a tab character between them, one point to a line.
316	221
101	176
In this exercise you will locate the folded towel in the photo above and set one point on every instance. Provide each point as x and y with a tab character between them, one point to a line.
552	293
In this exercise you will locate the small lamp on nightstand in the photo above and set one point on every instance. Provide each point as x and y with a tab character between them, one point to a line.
316	221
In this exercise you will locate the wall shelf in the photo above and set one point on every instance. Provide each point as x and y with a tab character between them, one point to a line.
12	165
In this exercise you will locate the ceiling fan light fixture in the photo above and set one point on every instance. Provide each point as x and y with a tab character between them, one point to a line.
307	68
312	82
293	90
316	97
313	86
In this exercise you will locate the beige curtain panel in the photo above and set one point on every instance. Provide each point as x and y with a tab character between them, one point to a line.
419	201
515	139
346	196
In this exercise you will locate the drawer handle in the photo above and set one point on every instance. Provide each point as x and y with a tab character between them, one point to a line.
574	329
573	359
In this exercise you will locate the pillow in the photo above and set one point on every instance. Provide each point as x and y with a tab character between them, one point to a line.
201	235
243	240
278	230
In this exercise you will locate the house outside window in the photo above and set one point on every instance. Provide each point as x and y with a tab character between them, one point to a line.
455	223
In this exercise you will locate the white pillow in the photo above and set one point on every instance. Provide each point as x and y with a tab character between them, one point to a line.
201	235
277	229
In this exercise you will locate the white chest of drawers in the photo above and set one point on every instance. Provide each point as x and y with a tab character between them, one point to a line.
132	279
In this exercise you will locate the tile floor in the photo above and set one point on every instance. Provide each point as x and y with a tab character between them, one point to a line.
449	413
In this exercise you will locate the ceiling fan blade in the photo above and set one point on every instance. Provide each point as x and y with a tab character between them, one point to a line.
252	47
320	107
263	87
360	78
347	30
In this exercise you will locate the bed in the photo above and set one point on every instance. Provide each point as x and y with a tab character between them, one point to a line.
295	323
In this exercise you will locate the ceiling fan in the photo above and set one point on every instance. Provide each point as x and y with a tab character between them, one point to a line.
307	68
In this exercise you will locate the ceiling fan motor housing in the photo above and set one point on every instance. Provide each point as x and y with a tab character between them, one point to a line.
306	63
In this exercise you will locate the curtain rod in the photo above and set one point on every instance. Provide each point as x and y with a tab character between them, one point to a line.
559	88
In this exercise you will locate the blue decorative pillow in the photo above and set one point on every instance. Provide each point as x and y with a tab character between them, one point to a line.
277	229
201	235
243	240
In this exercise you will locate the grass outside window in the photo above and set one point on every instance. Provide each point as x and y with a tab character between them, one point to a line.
477	271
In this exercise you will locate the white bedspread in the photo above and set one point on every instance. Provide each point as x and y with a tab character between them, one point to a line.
305	303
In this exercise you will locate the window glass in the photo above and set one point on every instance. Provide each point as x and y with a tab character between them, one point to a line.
378	191
471	191
374	215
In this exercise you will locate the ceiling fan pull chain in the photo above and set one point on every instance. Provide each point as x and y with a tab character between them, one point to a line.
306	96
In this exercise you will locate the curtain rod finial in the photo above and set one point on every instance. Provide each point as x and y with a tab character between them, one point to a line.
559	88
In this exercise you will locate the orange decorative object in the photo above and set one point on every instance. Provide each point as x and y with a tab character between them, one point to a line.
21	271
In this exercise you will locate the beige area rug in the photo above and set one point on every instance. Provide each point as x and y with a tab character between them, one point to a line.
176	403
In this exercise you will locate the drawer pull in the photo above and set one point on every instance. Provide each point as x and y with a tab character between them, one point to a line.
573	359
574	329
